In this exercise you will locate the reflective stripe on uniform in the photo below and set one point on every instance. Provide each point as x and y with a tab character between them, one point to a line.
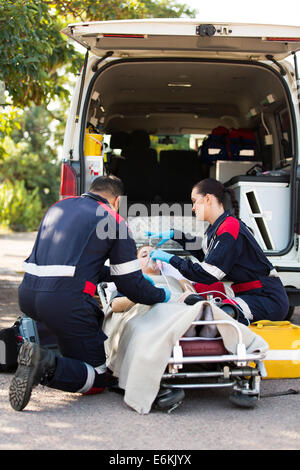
125	268
213	270
54	270
89	380
101	369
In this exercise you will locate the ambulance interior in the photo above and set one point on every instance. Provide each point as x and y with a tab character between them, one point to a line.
168	124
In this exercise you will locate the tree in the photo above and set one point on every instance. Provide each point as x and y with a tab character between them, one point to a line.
35	63
32	50
167	9
92	10
31	154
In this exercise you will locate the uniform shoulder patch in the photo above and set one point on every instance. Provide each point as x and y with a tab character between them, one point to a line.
230	225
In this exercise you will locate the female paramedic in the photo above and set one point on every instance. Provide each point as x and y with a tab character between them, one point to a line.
229	252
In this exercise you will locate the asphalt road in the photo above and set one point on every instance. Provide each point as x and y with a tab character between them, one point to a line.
206	420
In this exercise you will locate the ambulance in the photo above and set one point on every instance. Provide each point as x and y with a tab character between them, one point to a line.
164	103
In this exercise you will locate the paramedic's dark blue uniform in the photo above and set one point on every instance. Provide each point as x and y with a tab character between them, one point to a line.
77	235
230	253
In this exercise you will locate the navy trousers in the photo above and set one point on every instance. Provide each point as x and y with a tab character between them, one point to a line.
76	320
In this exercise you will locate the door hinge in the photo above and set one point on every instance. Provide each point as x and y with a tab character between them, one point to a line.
272	59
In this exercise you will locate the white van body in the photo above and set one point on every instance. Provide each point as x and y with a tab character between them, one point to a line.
181	77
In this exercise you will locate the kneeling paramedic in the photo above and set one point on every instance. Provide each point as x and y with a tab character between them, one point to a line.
76	236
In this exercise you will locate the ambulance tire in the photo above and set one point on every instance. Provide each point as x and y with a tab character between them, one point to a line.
243	400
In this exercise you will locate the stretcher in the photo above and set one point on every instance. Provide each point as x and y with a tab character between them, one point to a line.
201	363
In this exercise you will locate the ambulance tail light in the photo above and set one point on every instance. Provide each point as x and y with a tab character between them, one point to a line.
68	181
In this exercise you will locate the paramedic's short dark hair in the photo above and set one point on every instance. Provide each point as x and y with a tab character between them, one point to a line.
108	184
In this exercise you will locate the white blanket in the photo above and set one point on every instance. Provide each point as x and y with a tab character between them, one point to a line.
140	342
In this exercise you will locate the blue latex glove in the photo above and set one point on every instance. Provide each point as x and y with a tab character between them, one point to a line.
149	279
160	254
165	236
168	294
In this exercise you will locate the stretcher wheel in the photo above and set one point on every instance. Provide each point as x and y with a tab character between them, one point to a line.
169	398
243	400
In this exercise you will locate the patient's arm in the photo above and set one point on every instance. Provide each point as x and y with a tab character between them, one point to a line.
186	285
121	304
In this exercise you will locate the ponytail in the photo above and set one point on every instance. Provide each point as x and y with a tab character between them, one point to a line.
212	186
234	202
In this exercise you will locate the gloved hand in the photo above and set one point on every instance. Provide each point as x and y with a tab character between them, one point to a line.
149	279
168	294
162	255
165	236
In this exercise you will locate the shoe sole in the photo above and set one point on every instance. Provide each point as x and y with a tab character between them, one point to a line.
23	381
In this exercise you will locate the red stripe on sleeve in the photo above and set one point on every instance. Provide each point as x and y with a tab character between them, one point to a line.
112	212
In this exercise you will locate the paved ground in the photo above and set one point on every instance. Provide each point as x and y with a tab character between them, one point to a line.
206	419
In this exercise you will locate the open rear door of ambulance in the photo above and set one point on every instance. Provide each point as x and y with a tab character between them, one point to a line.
191	37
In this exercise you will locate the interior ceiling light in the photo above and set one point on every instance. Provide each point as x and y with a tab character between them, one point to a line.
128	91
180	84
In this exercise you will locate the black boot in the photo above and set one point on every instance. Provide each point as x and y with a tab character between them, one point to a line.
35	364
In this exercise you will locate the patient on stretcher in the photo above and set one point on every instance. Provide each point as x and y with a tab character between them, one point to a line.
156	271
141	338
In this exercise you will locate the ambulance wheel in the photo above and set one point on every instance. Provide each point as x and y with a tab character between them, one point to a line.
243	400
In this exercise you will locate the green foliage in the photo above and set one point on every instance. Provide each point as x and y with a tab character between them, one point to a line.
32	49
20	209
39	171
167	9
176	142
89	10
30	153
36	61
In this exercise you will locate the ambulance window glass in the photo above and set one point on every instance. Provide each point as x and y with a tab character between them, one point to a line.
170	142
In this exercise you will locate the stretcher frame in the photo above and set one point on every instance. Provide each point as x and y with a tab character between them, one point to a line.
234	370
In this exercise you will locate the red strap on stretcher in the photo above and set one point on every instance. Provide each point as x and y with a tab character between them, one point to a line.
89	288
